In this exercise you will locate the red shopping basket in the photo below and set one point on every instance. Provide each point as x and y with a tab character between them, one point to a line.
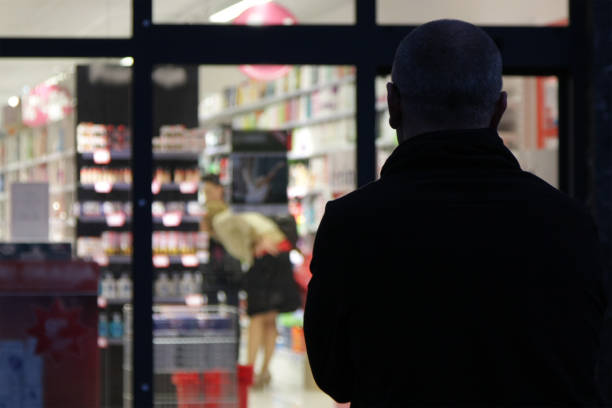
217	388
188	390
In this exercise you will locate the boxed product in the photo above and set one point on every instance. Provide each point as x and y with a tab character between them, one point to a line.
48	342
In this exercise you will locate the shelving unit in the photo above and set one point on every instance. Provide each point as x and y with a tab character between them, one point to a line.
227	114
41	151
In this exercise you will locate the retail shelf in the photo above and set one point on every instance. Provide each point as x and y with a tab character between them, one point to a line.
103	302
122	192
189	156
163	261
217	150
228	114
101	219
316	121
110	341
124	155
320	152
48	158
115	155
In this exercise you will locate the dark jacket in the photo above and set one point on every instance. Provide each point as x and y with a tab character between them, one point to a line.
457	278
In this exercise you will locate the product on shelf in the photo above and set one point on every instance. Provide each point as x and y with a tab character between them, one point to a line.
108	287
179	243
124	287
91	136
103	325
92	175
115	327
116	243
179	138
179	285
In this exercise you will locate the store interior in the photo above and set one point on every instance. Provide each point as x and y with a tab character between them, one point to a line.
66	123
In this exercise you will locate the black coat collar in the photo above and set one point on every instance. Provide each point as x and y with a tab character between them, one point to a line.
451	149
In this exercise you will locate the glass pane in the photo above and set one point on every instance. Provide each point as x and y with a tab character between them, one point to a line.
66	18
529	127
254	12
242	166
65	197
481	12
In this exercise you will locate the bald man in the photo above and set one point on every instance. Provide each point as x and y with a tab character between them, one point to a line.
456	278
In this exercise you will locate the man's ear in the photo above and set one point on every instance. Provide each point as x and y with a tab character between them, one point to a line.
394	101
500	108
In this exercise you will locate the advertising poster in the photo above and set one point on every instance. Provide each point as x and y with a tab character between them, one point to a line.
260	172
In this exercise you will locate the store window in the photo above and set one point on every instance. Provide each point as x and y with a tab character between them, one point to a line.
480	12
529	127
254	12
230	146
66	18
65	225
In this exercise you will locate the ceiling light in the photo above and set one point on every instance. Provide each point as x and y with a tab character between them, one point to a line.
13	101
126	62
229	13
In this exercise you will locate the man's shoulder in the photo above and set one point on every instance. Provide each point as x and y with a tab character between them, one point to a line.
359	198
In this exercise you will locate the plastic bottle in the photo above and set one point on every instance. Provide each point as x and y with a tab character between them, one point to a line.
124	287
198	281
116	326
103	325
187	286
162	286
175	285
109	287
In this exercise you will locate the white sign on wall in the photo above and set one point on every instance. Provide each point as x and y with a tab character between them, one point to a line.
30	212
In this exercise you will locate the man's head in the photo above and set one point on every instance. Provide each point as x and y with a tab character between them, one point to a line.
447	74
213	189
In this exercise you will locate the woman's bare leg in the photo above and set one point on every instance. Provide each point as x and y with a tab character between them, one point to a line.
269	340
256	337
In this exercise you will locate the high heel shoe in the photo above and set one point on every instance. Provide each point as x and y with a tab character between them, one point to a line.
262	380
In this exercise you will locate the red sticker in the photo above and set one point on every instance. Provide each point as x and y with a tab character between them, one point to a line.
57	330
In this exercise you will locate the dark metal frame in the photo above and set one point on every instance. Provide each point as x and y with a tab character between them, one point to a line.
560	51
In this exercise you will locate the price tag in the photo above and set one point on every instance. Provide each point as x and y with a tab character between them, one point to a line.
188	187
172	218
155	187
101	156
161	261
190	261
101	259
116	219
103	187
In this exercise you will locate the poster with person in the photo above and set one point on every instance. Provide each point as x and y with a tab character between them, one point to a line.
260	172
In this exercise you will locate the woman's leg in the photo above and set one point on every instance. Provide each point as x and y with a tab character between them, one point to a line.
269	340
256	337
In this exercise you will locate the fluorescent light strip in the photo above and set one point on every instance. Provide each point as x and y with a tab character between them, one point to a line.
229	13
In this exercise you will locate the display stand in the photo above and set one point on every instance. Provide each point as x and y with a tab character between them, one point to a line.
48	345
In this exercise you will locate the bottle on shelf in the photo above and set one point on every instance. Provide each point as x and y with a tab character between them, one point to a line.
103	325
109	287
163	286
187	285
124	287
116	326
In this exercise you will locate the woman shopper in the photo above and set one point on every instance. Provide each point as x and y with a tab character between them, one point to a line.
260	245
